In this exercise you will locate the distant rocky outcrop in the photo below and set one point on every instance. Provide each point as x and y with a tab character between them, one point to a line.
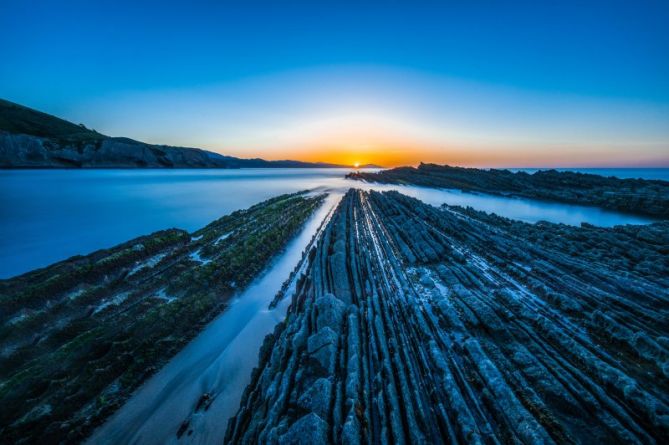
32	139
26	151
414	324
638	196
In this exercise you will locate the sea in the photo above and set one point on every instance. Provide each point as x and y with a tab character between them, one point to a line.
50	215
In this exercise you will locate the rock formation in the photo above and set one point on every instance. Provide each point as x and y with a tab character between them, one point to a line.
639	196
77	337
414	324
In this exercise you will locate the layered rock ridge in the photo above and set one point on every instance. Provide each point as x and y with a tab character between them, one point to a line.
77	337
414	324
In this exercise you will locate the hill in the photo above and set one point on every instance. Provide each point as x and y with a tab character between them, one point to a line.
33	139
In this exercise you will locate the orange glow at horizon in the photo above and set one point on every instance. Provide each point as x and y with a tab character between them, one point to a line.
390	156
392	117
385	156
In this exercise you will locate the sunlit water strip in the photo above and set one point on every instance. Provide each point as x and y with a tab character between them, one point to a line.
218	362
523	209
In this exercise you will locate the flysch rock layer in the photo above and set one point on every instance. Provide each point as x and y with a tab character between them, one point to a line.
79	336
415	324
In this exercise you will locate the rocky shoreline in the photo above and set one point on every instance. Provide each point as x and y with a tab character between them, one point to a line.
635	196
408	323
77	337
414	324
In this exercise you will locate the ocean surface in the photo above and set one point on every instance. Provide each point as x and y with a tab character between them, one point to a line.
51	215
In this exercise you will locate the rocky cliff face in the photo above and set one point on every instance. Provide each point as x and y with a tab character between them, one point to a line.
422	325
25	151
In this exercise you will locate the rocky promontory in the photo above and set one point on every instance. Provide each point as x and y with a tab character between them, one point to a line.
637	196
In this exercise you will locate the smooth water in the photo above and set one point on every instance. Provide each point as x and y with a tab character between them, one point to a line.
218	362
50	215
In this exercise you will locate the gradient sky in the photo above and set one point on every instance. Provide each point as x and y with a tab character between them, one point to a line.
469	82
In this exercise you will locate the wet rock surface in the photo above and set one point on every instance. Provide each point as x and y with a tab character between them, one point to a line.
637	196
77	337
416	324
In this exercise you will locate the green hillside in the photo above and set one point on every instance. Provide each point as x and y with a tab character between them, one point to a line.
16	118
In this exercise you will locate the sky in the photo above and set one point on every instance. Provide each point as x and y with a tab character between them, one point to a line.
476	83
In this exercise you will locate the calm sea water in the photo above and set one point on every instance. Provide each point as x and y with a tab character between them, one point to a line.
50	215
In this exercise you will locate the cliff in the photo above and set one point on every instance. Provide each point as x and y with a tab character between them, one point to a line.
32	139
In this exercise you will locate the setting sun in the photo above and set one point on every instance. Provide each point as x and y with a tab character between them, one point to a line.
356	164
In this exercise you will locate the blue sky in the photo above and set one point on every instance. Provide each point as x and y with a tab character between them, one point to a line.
448	81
